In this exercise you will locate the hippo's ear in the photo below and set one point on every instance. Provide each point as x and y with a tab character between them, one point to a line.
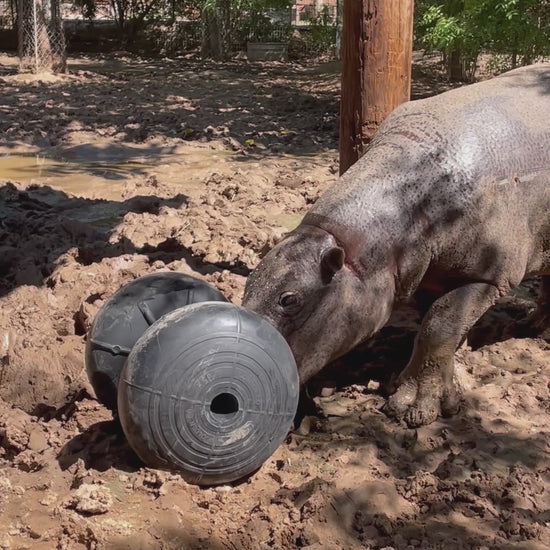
331	262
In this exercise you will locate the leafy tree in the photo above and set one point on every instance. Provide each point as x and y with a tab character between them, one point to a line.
321	37
520	30
462	29
88	8
448	28
133	15
222	21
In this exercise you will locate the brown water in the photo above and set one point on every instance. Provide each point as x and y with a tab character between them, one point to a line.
75	171
75	178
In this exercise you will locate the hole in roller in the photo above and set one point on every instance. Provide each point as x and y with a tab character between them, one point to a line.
224	403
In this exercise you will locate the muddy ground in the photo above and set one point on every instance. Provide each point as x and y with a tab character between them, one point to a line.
126	167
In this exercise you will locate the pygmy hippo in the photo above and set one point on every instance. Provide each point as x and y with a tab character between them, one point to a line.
450	202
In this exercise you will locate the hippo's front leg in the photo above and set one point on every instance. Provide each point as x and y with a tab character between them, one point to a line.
426	387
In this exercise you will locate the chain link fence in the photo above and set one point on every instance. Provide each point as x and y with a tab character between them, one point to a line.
41	40
307	32
8	14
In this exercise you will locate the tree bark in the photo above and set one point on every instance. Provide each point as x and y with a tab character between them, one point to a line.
455	62
376	69
216	24
119	9
455	69
338	49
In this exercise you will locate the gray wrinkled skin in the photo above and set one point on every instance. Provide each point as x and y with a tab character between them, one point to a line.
451	202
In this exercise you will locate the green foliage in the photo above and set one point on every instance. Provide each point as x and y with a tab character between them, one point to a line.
521	30
516	30
232	20
88	8
442	32
228	24
450	28
318	38
246	5
323	31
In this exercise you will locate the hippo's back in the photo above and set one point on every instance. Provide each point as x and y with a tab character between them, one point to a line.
498	126
432	157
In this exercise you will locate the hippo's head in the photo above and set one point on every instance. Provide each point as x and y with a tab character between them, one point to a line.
308	290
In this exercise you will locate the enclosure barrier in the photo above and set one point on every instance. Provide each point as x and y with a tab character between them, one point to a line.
41	39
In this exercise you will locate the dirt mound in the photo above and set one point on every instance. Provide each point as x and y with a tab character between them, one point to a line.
63	255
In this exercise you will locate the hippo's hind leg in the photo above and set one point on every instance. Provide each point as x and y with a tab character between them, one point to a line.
540	318
426	387
537	322
542	313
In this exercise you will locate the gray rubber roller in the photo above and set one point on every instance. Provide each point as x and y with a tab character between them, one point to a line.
127	314
209	390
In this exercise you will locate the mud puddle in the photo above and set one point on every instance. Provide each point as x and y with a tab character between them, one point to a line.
90	172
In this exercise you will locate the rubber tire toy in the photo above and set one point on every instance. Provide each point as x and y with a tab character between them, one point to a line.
126	315
211	391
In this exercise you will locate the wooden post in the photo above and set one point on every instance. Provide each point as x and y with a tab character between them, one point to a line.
376	69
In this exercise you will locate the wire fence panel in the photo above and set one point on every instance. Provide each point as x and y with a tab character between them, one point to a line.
8	14
308	30
41	37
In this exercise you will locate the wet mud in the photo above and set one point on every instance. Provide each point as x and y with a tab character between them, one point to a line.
127	167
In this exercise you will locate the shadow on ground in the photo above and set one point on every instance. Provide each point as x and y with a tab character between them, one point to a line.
284	108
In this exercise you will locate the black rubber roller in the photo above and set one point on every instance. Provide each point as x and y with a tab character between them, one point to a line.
126	315
210	390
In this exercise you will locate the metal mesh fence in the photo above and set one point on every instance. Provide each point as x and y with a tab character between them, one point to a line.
41	38
41	41
175	38
8	14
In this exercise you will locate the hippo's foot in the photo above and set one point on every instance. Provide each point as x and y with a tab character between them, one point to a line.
421	402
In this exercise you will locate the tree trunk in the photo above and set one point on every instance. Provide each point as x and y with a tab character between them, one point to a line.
455	67
119	9
41	42
210	45
14	14
455	61
216	24
376	69
338	49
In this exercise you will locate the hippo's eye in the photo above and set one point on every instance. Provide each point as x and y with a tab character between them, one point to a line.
289	300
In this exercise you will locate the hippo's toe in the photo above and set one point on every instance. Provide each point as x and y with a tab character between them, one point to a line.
427	405
450	401
405	395
420	403
422	413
